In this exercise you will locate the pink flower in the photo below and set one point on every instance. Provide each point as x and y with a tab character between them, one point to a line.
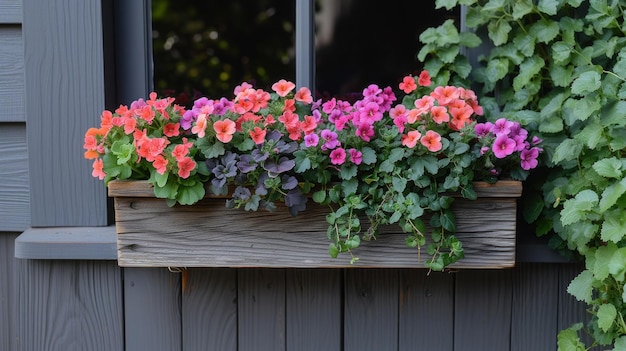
424	104
365	131
311	140
200	127
408	84
424	79
283	87
502	126
98	166
529	158
445	95
411	138
160	164
483	129
432	141
304	95
338	156
356	156
439	114
185	166
503	146
224	130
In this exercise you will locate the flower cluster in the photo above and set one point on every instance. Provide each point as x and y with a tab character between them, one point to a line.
378	158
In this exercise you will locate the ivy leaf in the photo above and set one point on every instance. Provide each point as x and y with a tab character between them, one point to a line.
581	286
399	184
497	69
348	171
569	149
548	7
575	209
522	8
587	82
545	31
603	256
448	221
568	340
613	227
561	51
303	163
606	316
469	39
448	4
319	196
617	266
561	75
498	30
609	167
591	135
190	194
527	70
369	155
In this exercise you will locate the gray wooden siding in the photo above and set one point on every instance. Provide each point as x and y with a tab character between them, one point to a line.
10	11
64	80
11	73
14	193
8	293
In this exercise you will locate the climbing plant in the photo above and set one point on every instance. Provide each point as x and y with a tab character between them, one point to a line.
559	68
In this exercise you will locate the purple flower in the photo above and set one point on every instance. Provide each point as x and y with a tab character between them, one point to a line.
356	156
483	129
365	131
529	158
536	140
311	140
371	90
502	126
338	156
139	103
503	146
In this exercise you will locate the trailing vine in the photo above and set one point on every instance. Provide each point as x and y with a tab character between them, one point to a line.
559	67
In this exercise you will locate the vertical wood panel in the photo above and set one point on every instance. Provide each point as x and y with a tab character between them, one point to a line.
14	193
70	306
11	74
535	301
152	309
314	309
482	310
426	310
209	318
261	312
64	83
10	11
8	296
571	310
371	309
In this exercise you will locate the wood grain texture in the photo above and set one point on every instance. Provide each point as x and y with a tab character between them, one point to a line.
8	293
482	310
535	291
426	305
152	310
209	318
571	310
314	309
64	82
208	234
261	309
70	305
14	190
10	11
11	73
371	309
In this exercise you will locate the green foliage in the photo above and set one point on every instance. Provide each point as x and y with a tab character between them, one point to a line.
559	68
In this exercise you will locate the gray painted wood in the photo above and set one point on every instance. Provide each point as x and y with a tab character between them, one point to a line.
8	293
64	82
535	293
305	44
152	310
11	73
70	305
14	190
426	305
571	310
209	317
371	309
73	243
314	309
10	11
482	310
261	309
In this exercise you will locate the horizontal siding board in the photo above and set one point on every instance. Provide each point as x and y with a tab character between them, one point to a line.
14	188
11	74
64	80
10	11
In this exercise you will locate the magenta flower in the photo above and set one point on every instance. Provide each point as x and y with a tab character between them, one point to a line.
529	158
338	156
365	131
503	146
372	90
330	138
536	140
502	126
483	129
311	140
356	156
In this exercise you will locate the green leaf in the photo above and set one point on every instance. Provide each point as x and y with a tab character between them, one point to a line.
525	44
190	194
447	221
533	206
369	155
568	150
617	266
494	5
591	135
581	286
448	4
561	51
349	186
545	31
602	258
587	82
608	167
548	6
498	30
469	39
396	154
522	8
606	316
319	196
497	69
527	70
568	340
575	209
333	250
611	194
303	163
348	171
613	227
561	75
399	184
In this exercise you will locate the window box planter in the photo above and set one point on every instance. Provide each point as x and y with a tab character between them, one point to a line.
207	234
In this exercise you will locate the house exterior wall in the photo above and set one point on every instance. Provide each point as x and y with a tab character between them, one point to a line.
54	82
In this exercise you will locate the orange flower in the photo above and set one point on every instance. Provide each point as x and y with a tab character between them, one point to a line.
408	84
98	166
304	95
410	139
225	130
160	164
439	114
432	141
283	87
258	135
185	166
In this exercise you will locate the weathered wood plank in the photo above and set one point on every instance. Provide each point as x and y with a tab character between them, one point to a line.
261	312
207	234
314	309
535	301
11	74
209	318
76	243
152	310
371	309
70	305
64	78
14	191
8	293
426	304
10	11
482	319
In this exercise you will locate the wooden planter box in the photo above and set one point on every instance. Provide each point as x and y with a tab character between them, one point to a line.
207	234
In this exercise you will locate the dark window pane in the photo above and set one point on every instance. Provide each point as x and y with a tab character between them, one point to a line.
369	41
209	47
